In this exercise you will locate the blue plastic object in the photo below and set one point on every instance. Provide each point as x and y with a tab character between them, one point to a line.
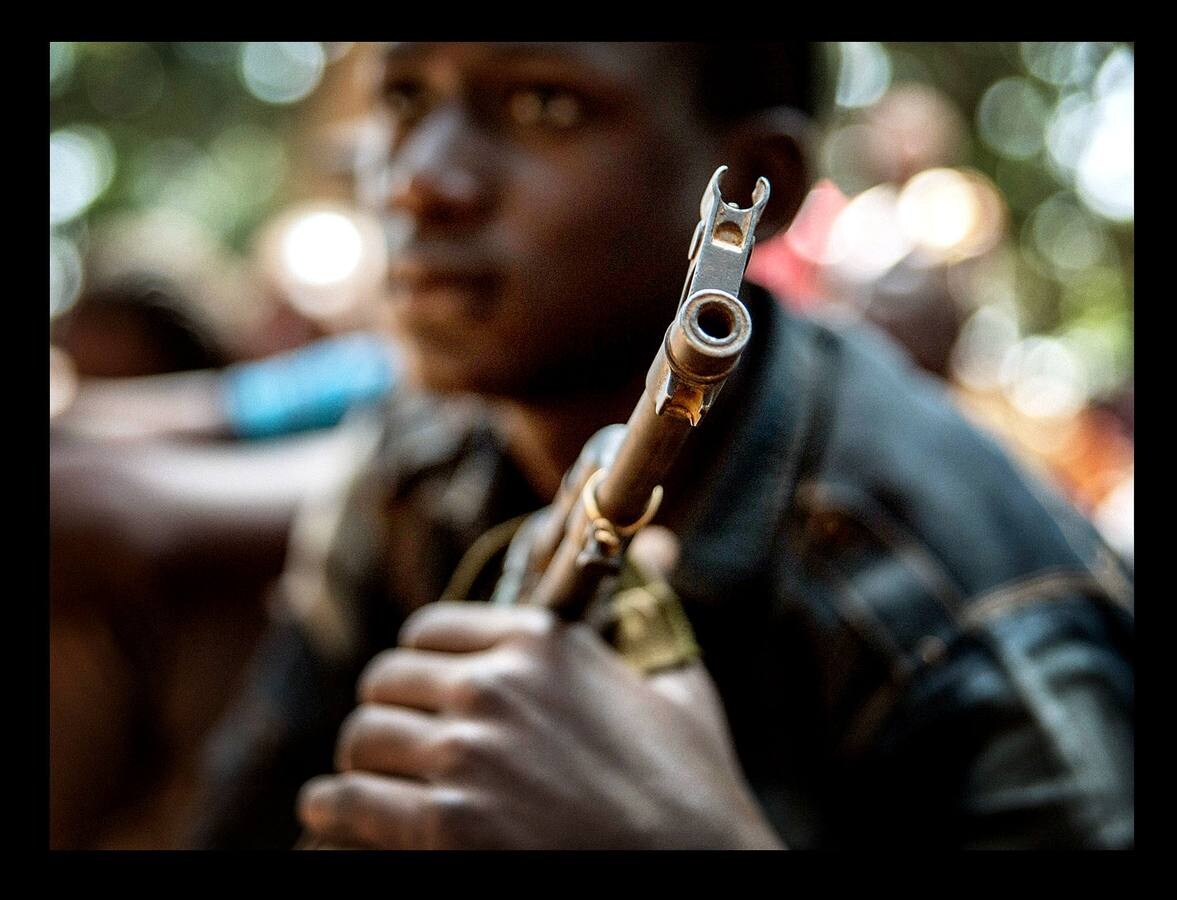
312	387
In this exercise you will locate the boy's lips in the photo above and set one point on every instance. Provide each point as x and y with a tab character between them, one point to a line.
432	293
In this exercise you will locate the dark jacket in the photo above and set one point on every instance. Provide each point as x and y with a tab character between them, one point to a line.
915	643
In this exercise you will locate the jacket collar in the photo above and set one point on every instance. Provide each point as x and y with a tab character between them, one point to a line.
740	471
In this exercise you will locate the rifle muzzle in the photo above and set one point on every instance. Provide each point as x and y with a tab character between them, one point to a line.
701	349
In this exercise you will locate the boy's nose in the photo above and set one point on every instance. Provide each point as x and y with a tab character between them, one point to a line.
438	176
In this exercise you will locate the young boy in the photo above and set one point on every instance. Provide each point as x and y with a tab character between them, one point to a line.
904	641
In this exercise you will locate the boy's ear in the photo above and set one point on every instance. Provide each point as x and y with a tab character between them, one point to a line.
775	143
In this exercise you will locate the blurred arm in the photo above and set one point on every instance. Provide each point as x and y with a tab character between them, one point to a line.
168	499
309	388
279	732
183	404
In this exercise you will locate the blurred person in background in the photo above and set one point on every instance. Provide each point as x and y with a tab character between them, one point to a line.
177	469
835	258
194	396
136	326
922	250
905	640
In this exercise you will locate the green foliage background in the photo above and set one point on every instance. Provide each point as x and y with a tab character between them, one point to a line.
186	132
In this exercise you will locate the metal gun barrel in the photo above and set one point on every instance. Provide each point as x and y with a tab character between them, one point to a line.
700	350
603	503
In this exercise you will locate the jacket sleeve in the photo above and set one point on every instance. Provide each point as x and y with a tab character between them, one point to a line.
1021	736
281	729
280	732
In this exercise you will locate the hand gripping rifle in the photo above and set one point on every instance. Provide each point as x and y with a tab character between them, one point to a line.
564	557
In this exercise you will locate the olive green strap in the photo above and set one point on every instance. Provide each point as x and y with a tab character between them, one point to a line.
650	629
644	620
482	553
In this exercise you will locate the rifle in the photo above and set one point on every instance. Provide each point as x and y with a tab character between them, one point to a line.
573	552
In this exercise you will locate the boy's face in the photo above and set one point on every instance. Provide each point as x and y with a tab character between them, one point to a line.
542	197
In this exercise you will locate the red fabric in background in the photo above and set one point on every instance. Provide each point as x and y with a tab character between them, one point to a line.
789	264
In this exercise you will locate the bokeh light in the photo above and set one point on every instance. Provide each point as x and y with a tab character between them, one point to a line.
282	72
950	213
1069	131
62	58
322	248
841	156
1065	237
1043	378
1026	205
63	381
1090	134
985	341
1063	63
1103	353
911	128
1011	117
937	208
1106	168
326	258
65	274
864	74
987	280
865	240
81	167
1117	74
1116	517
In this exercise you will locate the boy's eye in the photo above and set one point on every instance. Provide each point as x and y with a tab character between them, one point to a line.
545	107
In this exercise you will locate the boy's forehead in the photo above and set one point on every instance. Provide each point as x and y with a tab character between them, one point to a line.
629	62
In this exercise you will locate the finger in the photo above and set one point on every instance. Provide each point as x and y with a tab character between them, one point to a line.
390	740
691	688
687	686
470	627
419	679
358	808
655	551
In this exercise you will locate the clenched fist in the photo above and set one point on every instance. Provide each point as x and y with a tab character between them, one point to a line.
503	727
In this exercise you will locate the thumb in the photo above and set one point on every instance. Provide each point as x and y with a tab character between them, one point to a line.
655	551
